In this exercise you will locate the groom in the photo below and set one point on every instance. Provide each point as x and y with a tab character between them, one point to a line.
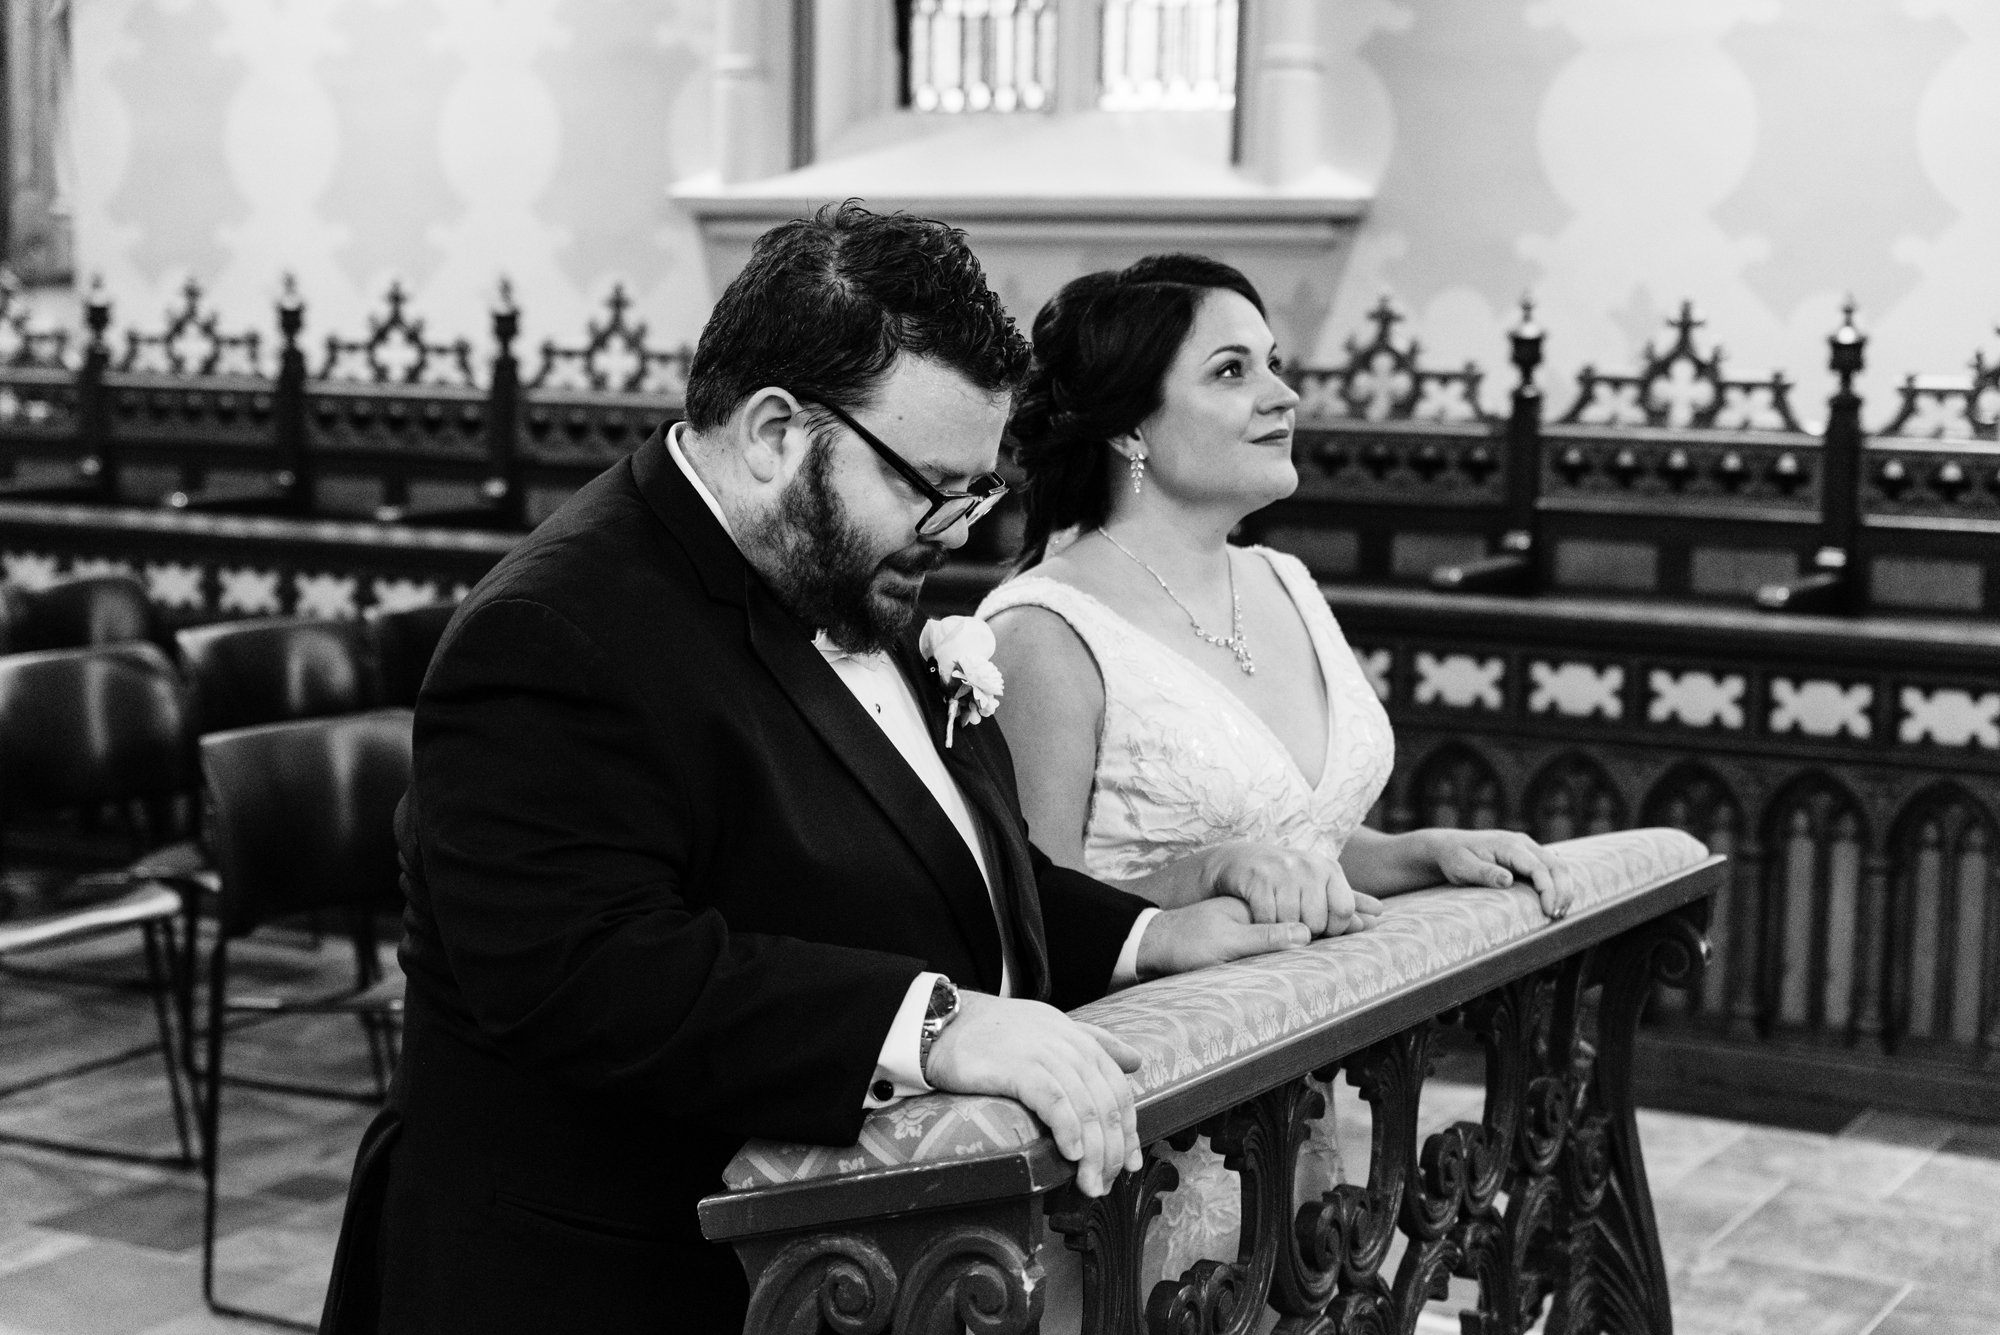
688	857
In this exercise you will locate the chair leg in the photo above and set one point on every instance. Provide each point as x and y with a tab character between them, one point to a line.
371	1030
367	969
159	972
211	1114
211	1145
189	973
159	982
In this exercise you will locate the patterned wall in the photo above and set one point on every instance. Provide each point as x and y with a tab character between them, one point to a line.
1613	156
442	142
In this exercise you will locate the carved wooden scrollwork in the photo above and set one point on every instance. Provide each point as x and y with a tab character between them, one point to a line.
832	1281
1110	1233
1542	1201
1629	1276
972	1278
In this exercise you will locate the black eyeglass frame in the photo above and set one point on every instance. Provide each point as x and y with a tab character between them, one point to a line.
987	488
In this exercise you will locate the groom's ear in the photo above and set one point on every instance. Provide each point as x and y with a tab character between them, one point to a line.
772	434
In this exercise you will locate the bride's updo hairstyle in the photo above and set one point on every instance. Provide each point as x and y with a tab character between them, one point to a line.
1103	346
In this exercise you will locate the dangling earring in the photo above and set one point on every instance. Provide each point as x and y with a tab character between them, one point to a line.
1135	465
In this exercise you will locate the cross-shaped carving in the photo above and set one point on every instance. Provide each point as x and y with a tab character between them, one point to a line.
1683	393
1377	386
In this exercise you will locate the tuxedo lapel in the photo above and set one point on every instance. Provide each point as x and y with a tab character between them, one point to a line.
1013	872
867	753
785	648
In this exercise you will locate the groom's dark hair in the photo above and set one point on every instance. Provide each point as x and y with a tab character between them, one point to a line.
827	303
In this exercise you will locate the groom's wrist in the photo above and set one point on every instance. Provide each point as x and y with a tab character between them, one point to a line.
899	1068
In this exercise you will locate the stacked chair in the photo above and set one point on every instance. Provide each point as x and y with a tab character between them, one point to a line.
303	770
87	731
404	642
73	613
283	744
301	820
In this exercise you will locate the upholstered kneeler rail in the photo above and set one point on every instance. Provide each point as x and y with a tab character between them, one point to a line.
936	1214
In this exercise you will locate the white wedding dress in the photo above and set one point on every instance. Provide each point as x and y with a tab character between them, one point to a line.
1182	763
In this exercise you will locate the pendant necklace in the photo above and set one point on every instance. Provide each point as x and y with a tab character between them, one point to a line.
1234	641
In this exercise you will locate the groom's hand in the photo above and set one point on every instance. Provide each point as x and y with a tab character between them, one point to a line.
1285	885
1213	931
1070	1075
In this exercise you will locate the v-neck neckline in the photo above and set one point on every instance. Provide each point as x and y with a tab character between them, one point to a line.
1215	684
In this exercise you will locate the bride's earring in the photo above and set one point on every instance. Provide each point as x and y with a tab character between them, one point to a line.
1135	466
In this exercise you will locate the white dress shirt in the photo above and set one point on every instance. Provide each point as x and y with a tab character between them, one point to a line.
884	692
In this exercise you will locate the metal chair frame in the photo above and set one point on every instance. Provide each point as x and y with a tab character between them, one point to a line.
375	1001
154	794
163	981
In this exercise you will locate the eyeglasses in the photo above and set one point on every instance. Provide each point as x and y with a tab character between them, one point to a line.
948	508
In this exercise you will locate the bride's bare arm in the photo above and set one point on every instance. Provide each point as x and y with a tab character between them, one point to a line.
1051	713
1388	864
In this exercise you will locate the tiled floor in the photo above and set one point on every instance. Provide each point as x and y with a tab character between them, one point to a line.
1891	1225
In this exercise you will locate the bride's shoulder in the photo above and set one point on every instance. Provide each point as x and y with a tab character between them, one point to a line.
1042	643
1283	564
1061	584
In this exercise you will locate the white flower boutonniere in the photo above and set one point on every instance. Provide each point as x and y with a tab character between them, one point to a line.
961	652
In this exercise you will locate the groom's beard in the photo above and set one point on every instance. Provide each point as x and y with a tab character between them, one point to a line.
826	572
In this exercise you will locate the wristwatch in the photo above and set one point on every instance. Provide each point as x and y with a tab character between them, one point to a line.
943	1009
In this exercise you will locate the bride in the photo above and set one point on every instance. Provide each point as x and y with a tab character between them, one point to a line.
1170	696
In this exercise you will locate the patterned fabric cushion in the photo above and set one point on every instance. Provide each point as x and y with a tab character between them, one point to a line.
1191	1025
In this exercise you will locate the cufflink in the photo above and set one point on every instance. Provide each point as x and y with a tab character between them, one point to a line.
882	1091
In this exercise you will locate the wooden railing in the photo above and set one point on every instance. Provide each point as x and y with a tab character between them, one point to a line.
936	1218
1676	481
394	426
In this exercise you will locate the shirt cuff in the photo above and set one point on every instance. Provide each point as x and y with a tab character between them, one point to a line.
1126	971
899	1070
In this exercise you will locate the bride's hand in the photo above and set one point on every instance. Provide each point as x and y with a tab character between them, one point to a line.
1211	931
1282	885
1497	858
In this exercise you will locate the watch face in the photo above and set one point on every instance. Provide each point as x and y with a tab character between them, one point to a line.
944	1000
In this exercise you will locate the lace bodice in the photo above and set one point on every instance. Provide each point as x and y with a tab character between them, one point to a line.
1182	762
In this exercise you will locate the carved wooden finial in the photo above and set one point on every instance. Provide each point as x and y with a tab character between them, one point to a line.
1386	318
1848	346
97	308
1686	322
291	312
506	318
1525	338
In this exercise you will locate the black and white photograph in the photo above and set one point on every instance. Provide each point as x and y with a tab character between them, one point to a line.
1006	667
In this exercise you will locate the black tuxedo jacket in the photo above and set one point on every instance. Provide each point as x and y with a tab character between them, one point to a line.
667	885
